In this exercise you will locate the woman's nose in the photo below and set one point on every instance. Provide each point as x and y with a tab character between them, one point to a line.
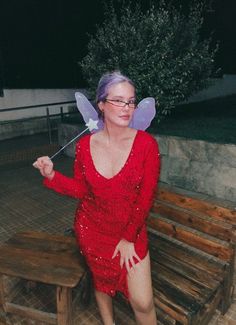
126	107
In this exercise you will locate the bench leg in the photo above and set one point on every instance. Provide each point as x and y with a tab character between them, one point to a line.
2	292
64	306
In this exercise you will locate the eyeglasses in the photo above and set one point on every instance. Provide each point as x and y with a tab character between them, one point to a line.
121	103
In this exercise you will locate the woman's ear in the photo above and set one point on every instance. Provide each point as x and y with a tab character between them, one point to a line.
100	109
100	106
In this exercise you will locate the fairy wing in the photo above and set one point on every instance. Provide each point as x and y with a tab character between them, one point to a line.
143	114
87	110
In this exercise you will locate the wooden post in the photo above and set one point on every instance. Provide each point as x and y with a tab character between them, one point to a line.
2	295
64	306
49	125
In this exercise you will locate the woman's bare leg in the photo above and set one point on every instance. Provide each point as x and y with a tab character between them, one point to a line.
104	302
141	296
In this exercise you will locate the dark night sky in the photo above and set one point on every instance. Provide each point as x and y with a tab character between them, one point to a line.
42	40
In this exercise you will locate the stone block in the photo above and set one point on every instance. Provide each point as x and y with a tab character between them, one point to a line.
163	143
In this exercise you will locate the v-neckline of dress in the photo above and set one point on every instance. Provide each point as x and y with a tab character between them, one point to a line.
121	169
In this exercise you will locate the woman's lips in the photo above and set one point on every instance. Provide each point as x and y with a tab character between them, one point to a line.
125	117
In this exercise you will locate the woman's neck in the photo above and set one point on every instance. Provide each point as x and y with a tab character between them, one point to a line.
116	133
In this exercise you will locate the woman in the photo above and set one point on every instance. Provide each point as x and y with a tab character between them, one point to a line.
115	175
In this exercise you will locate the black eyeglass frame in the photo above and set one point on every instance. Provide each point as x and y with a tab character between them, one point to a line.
111	101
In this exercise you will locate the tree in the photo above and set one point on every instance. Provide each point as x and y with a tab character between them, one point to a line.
160	49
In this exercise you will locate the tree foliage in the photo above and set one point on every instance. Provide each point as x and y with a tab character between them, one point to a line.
160	49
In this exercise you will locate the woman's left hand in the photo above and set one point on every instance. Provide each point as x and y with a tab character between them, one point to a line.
127	254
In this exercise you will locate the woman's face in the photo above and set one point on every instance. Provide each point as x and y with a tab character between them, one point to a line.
113	112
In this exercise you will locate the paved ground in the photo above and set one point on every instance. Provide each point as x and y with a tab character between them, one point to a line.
27	205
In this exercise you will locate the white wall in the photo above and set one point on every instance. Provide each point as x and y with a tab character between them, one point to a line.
220	87
26	97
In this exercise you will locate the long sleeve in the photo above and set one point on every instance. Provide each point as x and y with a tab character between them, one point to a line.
75	187
146	194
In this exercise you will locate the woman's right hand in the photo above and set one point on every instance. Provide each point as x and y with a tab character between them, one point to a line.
45	166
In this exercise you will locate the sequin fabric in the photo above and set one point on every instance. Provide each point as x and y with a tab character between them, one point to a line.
110	209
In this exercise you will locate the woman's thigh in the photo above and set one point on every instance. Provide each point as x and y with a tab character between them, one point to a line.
140	284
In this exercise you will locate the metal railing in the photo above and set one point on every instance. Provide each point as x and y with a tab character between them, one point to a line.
47	115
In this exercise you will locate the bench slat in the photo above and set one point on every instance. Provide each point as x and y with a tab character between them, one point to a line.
174	311
31	313
192	295
175	230
56	260
186	271
180	305
205	314
194	220
205	263
44	243
44	236
50	259
209	208
40	270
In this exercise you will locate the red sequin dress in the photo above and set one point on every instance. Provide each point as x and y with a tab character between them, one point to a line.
111	209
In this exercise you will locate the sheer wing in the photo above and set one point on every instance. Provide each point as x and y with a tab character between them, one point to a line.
87	110
143	114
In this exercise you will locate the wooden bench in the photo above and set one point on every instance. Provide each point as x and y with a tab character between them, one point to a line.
192	247
192	252
45	258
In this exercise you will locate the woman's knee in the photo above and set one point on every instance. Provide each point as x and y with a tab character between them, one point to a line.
142	305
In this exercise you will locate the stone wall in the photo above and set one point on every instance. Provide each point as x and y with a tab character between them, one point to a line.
26	127
66	132
198	166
